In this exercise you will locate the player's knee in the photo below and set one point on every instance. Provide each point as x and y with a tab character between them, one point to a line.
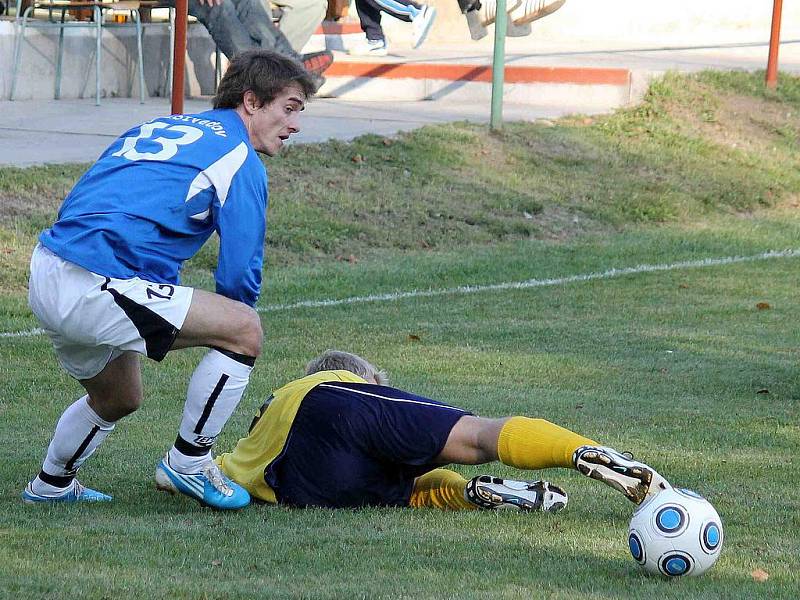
129	402
487	433
249	335
120	403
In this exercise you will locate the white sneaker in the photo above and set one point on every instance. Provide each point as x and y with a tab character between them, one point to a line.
634	479
489	10
531	10
369	48
422	24
485	491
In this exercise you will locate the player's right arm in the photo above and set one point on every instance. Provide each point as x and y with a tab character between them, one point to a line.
241	225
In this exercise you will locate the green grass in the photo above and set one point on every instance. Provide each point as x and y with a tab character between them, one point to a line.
668	365
671	365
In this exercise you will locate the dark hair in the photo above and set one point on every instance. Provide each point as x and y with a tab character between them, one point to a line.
265	73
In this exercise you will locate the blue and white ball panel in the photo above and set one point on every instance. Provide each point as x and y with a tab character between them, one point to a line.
675	564
636	547
671	520
711	537
689	493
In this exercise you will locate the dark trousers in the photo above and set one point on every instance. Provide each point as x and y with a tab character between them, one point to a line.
369	12
239	25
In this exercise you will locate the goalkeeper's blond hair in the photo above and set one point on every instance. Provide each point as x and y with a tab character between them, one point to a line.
336	360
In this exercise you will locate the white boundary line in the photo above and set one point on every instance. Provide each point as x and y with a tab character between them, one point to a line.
19	334
532	283
513	285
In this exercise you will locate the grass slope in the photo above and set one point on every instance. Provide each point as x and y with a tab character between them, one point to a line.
698	146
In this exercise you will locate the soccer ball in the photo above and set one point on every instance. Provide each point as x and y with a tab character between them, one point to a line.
677	532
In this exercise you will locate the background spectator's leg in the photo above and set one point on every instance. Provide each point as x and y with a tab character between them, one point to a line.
300	19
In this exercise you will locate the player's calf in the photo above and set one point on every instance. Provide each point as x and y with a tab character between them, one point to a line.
489	492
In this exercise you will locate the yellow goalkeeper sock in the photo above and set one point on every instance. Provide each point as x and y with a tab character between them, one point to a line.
440	488
537	444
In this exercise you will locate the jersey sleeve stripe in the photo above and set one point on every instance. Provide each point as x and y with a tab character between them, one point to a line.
219	175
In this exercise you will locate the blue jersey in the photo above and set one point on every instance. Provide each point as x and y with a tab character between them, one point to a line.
157	194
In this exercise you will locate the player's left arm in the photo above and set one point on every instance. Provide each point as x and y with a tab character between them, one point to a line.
241	225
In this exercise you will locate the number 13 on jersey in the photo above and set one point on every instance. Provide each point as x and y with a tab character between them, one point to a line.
169	145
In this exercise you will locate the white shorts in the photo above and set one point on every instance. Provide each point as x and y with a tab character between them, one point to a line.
92	319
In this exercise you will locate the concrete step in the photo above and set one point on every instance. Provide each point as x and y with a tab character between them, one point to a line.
431	74
403	79
337	35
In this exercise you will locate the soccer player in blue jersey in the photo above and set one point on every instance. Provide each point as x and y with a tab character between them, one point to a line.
341	437
105	277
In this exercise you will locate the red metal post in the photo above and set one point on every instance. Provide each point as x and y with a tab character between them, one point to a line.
179	58
774	42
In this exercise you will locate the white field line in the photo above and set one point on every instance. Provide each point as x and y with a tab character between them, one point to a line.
19	334
512	285
533	283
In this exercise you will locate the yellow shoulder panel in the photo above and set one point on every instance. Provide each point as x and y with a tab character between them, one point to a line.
246	464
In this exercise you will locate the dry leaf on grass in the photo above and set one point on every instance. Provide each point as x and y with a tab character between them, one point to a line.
763	306
759	575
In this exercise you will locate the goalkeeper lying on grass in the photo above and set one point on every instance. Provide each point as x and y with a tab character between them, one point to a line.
341	437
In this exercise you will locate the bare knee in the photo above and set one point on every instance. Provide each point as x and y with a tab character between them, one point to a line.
113	407
117	390
247	335
219	322
129	402
472	441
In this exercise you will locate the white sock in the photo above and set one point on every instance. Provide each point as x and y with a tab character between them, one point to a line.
78	433
215	389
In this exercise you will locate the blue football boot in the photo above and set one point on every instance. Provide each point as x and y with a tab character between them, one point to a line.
209	487
77	493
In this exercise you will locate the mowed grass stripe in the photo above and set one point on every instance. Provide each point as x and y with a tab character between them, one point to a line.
534	283
530	283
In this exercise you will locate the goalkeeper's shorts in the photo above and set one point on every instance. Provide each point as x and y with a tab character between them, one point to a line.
358	444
